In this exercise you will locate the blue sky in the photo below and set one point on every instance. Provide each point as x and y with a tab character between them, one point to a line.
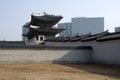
15	13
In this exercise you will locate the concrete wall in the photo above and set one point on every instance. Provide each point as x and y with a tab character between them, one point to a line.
16	56
107	52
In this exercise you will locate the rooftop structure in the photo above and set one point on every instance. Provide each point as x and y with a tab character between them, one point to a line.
41	25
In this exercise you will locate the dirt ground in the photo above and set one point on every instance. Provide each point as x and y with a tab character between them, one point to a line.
58	72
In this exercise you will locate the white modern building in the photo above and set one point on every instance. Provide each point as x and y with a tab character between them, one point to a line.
83	25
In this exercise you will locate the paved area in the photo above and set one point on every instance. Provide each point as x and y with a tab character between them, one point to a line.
58	72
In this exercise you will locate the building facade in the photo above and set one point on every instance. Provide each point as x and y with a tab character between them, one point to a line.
117	29
83	25
67	27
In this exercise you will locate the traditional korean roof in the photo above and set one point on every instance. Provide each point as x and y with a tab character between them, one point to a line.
68	38
76	39
44	20
41	24
46	32
79	38
104	36
86	35
90	38
95	36
58	39
110	36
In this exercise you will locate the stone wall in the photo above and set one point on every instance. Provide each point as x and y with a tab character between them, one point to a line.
104	52
45	55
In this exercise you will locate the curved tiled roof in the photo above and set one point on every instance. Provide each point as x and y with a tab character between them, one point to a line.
110	36
45	20
104	36
41	24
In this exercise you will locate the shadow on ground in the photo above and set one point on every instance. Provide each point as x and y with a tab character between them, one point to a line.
105	70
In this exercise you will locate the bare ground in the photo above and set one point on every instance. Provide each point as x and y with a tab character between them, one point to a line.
58	72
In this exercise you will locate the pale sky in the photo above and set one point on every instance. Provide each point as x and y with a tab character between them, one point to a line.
15	13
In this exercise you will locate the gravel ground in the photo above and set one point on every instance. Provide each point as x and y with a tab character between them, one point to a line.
58	72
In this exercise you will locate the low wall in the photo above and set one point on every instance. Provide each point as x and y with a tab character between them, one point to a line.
63	43
104	52
107	52
16	55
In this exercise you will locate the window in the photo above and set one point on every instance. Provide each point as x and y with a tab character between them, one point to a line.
41	38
